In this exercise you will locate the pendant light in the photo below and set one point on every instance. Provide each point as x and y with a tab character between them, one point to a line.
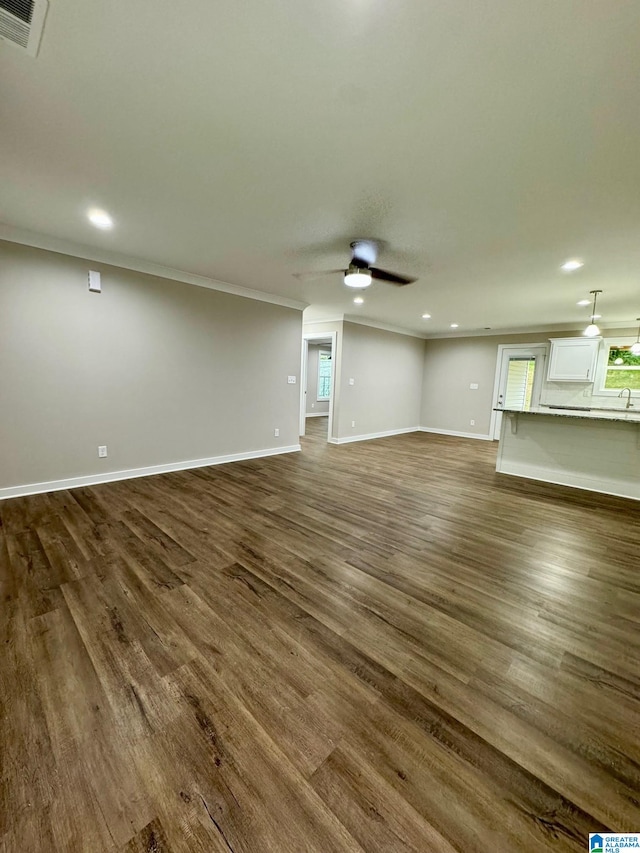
635	349
592	331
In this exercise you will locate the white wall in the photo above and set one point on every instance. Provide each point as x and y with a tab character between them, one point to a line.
315	406
159	371
387	369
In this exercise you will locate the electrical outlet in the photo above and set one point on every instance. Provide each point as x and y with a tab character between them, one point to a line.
352	381
313	405
291	380
276	432
353	423
473	386
102	451
472	422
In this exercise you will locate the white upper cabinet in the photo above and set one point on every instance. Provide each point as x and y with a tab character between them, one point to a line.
573	359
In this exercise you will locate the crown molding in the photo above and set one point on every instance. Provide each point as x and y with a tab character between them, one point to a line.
319	322
574	328
365	321
105	256
386	327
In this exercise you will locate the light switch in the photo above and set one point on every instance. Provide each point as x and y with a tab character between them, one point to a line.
474	386
291	380
352	381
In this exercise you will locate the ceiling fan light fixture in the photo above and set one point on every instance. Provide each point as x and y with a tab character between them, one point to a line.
357	278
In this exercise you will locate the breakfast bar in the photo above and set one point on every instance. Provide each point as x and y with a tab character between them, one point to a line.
594	449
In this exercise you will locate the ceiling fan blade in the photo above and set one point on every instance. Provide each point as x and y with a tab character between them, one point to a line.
317	274
391	277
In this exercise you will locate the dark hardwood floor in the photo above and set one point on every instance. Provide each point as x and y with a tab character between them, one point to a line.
382	646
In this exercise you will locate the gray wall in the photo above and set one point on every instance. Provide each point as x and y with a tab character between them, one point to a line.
315	406
159	371
452	364
387	369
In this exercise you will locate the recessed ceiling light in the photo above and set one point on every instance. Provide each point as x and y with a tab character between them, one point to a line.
100	218
572	265
426	316
358	300
584	302
454	325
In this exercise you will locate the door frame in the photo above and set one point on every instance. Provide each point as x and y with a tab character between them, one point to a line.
306	338
502	348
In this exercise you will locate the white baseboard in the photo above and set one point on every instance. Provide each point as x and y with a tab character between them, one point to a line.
456	433
112	476
317	415
368	436
617	488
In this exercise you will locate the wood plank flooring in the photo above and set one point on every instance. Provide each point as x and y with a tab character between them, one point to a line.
378	647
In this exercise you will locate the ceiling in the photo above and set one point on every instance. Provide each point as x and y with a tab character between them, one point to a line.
483	142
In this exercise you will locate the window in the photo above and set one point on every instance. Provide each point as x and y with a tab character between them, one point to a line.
519	386
618	368
623	369
324	374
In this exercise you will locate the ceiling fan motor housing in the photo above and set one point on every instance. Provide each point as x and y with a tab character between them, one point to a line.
358	264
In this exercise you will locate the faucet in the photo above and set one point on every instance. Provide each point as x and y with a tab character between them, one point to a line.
629	403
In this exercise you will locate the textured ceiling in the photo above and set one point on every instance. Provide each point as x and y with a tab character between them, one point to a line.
483	142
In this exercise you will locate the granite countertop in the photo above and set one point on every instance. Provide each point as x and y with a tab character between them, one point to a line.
625	415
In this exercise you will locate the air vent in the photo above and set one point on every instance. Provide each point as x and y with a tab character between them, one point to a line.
21	23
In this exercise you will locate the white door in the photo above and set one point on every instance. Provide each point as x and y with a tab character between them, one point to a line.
519	378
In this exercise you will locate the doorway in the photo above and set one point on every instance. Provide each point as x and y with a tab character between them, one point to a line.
318	383
518	382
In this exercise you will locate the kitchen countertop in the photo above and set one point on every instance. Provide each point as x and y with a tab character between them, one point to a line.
624	415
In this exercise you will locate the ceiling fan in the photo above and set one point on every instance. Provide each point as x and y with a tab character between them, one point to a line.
361	272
